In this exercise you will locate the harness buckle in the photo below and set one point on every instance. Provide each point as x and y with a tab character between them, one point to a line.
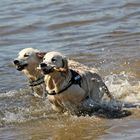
78	77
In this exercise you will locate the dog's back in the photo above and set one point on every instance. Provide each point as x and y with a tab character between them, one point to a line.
92	84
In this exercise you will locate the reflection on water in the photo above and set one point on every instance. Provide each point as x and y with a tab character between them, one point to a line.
102	34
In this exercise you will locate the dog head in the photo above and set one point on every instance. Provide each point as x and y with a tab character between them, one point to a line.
54	61
28	58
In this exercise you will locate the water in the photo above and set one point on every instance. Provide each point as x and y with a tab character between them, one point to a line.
99	33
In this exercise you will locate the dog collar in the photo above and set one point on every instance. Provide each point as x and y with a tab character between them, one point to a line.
37	82
76	79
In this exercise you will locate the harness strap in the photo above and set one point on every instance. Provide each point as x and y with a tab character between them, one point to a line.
76	79
36	82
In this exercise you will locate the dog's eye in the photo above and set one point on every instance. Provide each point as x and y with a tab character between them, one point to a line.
26	55
53	60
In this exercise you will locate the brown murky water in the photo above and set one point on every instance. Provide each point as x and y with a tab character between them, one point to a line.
99	33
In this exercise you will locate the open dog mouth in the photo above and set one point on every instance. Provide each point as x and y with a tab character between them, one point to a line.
21	67
47	71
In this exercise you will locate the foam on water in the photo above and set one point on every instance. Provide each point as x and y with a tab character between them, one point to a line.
8	94
124	87
13	117
20	106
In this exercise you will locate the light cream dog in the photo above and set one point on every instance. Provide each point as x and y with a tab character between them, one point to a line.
70	90
28	61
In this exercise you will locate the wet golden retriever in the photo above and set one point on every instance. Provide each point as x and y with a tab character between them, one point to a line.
68	89
28	61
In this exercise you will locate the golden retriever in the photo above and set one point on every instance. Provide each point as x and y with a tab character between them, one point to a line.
28	61
68	89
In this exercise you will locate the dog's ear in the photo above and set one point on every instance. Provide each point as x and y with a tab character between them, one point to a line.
64	68
40	54
65	64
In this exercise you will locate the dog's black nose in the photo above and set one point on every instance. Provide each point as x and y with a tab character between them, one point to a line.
43	65
16	62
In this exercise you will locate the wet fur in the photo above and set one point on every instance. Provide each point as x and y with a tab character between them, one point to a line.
74	98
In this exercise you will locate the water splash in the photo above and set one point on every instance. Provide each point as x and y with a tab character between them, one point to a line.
8	94
124	87
20	106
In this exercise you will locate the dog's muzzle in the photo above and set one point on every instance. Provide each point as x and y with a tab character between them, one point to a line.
18	65
45	69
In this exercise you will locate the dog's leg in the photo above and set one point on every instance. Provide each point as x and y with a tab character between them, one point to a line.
44	91
101	85
107	92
